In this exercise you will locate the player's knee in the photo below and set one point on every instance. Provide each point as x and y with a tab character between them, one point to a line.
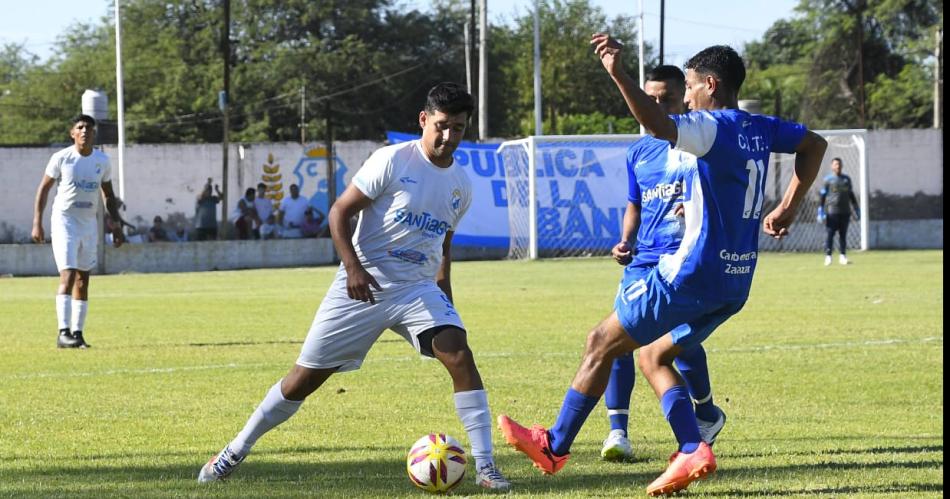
460	358
652	358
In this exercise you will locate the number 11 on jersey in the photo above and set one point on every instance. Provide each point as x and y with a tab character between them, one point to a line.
755	190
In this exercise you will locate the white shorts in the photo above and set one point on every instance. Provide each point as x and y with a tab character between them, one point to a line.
344	329
75	243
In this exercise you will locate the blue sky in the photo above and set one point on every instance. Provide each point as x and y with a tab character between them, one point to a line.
691	24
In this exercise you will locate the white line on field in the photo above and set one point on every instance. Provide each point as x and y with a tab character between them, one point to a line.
409	358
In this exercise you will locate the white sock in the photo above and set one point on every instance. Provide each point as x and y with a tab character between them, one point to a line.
272	411
63	313
472	408
79	314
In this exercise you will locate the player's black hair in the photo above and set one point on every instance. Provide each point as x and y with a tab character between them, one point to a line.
722	62
666	73
85	118
838	160
450	98
249	191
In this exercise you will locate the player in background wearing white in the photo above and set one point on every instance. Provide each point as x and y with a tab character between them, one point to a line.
653	225
395	274
80	173
707	280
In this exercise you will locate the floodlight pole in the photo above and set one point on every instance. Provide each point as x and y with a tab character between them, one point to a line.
120	101
538	122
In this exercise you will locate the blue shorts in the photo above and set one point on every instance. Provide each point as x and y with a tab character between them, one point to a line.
648	308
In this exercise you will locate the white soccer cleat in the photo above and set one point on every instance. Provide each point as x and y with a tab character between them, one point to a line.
709	430
827	260
617	447
843	260
490	477
219	467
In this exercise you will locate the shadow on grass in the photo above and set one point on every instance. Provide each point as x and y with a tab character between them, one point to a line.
267	478
904	449
843	491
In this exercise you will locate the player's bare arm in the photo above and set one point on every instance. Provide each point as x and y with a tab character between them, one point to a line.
443	278
112	206
39	204
622	252
644	108
808	156
358	280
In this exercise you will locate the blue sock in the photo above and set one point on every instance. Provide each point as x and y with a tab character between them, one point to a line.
623	374
574	412
692	365
678	409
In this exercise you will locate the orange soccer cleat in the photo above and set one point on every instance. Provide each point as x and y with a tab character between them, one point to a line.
683	470
534	443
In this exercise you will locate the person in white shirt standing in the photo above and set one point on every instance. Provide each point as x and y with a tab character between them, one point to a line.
292	212
79	172
394	274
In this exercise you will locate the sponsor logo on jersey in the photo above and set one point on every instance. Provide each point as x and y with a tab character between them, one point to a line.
85	185
407	180
411	256
425	222
664	192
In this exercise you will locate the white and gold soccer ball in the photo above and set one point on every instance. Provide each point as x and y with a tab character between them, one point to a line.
436	463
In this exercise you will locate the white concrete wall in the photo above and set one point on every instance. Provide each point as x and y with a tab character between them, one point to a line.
37	259
166	179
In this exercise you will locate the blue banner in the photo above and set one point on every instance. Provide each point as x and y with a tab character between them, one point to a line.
581	189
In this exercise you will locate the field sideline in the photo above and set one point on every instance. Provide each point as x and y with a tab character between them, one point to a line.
832	379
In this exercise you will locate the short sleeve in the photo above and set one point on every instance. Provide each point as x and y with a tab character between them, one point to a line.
375	175
53	169
633	187
786	135
695	132
106	169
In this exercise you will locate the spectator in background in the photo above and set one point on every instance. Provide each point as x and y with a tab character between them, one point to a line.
157	232
206	219
270	229
310	226
180	235
244	217
263	205
292	212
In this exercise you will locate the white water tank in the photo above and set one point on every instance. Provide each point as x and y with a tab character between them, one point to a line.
95	103
751	106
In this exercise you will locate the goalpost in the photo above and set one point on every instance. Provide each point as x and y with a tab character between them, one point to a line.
567	193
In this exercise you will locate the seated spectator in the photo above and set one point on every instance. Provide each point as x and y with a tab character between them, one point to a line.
270	229
157	232
262	203
244	217
310	226
180	235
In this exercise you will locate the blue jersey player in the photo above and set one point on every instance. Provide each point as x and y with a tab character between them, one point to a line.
653	224
707	279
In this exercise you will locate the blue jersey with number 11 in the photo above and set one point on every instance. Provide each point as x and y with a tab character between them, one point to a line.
724	198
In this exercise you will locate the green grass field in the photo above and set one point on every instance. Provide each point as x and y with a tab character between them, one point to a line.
832	379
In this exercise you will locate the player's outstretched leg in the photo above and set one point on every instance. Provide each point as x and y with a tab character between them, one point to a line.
450	346
695	370
617	398
694	458
281	402
550	449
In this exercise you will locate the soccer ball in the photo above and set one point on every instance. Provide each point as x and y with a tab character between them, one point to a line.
436	463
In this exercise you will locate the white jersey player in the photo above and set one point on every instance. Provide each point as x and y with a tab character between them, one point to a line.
80	173
394	274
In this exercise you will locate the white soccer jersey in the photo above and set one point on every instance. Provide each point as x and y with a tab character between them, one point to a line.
399	237
78	179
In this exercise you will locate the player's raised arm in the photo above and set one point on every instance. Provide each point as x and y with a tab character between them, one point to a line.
358	280
644	108
808	156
